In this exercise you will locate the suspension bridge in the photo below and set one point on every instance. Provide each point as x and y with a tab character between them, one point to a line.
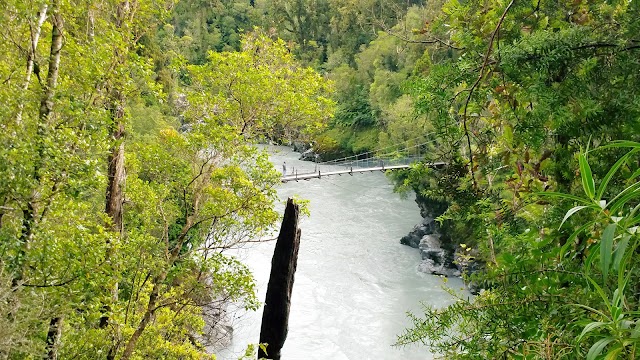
393	157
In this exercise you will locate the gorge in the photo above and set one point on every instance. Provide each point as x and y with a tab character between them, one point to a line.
354	280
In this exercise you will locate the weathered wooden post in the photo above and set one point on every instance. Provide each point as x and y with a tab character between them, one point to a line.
278	300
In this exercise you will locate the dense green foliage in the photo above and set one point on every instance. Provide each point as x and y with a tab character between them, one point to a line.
128	167
360	45
531	86
127	163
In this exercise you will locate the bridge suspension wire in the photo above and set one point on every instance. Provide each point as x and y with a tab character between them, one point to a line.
355	164
381	149
359	157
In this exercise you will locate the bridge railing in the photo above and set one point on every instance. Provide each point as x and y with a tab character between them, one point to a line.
377	162
372	162
393	155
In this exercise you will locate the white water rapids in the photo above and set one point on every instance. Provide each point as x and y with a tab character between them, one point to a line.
354	281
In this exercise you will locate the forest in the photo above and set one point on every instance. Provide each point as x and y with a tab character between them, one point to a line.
129	165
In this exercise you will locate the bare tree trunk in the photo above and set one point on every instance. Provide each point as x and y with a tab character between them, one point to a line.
113	206
53	338
91	23
46	106
114	200
277	305
33	45
114	197
31	54
116	173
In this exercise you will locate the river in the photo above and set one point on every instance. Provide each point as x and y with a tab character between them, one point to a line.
354	281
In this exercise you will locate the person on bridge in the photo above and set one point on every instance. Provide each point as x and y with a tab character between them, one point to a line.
284	168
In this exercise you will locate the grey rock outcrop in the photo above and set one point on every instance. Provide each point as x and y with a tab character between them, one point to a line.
300	146
437	254
430	209
426	227
309	155
435	259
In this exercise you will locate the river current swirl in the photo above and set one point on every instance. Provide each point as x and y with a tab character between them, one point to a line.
354	281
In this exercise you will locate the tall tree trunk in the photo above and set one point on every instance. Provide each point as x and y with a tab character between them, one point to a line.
148	315
114	198
53	338
115	163
31	55
91	23
275	318
46	106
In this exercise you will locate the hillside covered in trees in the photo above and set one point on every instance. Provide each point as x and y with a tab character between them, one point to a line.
128	162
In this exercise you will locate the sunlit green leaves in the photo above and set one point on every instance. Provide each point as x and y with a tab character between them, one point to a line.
587	177
260	92
188	196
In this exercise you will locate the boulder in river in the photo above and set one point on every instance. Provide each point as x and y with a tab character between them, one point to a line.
426	227
309	155
437	253
435	259
300	146
431	267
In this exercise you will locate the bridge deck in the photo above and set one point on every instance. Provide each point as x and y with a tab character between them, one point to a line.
319	174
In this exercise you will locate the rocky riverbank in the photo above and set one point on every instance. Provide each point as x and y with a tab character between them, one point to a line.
440	255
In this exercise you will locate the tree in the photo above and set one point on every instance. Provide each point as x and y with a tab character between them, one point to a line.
92	265
50	150
511	109
213	26
261	92
306	22
191	197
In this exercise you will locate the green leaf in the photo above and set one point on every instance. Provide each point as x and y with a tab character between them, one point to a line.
592	255
624	200
590	309
571	212
597	348
564	196
603	296
613	353
621	199
619	253
587	177
635	333
634	175
590	327
579	231
621	144
611	172
606	249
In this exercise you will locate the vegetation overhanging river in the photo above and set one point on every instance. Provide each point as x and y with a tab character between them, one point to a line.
354	281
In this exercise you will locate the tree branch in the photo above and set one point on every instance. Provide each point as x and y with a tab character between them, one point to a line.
417	41
475	85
